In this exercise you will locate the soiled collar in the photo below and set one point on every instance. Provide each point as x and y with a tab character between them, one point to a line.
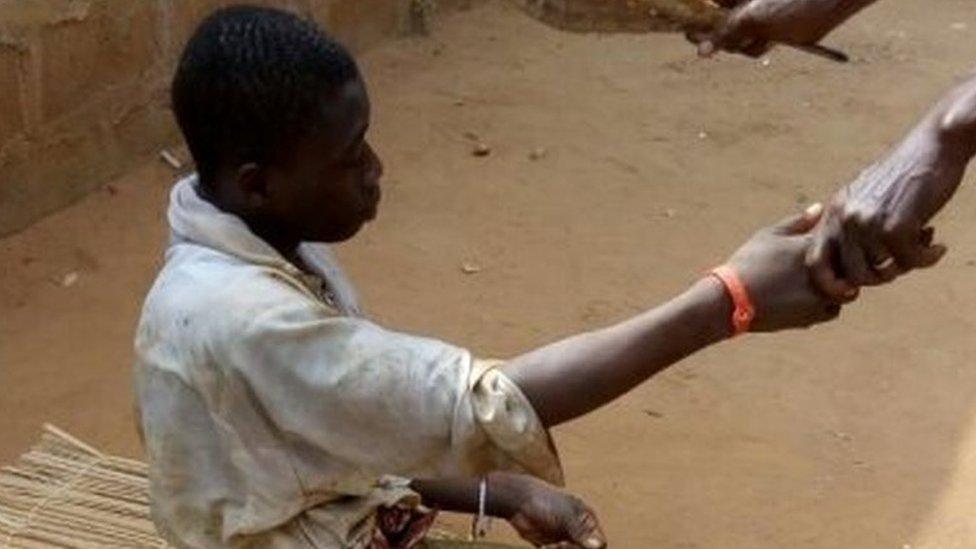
195	220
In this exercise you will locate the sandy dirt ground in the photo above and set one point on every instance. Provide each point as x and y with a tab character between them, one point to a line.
656	166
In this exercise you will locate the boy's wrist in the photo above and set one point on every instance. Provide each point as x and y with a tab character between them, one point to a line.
505	494
743	310
717	309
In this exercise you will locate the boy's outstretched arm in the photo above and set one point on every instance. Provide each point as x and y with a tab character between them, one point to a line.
876	228
580	374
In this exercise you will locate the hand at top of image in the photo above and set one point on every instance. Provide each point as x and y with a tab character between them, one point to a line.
754	26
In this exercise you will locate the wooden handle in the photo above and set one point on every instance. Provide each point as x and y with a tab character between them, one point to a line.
697	14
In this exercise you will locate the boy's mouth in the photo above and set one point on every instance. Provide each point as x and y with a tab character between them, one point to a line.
369	212
373	196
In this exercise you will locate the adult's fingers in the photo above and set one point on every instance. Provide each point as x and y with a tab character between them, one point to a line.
738	34
879	258
927	236
913	250
932	255
756	48
883	264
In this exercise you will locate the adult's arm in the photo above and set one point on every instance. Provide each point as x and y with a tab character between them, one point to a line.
876	228
754	26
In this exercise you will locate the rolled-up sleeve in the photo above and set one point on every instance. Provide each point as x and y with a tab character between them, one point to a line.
500	430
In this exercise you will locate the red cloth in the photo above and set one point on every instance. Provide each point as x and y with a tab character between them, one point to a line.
401	527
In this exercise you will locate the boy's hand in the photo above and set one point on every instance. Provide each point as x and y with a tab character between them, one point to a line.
772	266
754	26
546	516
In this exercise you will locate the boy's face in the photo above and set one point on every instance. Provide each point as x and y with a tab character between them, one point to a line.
327	187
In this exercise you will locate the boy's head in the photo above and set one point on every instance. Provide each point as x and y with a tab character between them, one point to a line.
275	115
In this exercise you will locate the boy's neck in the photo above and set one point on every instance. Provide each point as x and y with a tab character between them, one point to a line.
262	228
286	246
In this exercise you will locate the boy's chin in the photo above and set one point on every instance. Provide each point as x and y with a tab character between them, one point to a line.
370	213
335	235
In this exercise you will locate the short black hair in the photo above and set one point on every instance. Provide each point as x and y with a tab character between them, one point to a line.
251	82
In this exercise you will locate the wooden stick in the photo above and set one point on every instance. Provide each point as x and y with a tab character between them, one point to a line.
66	493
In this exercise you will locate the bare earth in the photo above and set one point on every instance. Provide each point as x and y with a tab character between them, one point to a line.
858	434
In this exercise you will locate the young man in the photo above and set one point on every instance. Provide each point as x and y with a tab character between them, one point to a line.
274	414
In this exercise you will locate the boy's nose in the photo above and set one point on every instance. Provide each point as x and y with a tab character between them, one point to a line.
375	169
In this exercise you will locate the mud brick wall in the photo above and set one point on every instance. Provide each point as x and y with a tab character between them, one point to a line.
83	85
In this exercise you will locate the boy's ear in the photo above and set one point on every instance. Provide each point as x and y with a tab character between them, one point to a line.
253	184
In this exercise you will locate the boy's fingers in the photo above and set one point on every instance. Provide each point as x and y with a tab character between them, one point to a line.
832	311
814	213
586	532
857	268
800	223
526	529
820	264
826	313
857	272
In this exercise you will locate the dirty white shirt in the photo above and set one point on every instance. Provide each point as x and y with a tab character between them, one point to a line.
274	413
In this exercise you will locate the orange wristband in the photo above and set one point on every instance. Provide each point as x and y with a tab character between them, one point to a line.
744	311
